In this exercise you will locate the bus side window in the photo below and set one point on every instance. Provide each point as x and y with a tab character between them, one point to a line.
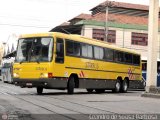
69	47
136	59
128	58
59	51
109	53
98	53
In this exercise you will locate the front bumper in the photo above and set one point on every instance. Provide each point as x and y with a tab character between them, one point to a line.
58	83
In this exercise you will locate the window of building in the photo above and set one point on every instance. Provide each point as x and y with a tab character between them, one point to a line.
100	35
111	38
139	39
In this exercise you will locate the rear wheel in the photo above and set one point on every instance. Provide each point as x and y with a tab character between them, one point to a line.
117	87
39	90
89	90
71	85
124	86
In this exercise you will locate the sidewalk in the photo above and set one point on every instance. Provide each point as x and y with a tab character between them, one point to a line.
153	93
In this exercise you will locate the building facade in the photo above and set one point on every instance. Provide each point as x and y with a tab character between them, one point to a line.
126	26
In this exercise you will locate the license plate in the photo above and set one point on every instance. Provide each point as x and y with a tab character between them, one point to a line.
29	84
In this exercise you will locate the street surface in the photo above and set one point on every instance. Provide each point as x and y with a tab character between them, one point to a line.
24	104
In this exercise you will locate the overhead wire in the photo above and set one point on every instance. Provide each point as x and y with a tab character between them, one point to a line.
18	25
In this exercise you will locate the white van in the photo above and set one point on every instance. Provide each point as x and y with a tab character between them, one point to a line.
7	68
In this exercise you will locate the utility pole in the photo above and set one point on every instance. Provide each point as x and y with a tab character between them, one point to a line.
106	24
107	5
152	46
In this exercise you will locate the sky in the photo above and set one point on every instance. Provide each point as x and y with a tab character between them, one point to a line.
32	16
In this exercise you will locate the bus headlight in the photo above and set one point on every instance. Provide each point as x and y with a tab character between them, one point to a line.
44	75
15	75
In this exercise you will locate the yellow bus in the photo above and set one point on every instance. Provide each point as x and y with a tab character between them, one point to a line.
63	61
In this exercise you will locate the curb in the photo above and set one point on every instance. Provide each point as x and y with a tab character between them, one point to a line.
151	95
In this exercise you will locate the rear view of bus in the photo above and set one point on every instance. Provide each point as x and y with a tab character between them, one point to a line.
32	66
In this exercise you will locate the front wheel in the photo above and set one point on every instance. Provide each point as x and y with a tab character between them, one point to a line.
39	90
71	85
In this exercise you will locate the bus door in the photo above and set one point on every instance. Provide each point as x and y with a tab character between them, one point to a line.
59	57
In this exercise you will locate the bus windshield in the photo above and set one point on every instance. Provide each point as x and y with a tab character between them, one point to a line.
38	49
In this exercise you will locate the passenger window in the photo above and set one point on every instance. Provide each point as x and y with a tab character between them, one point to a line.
101	53
119	56
73	48
77	49
84	50
69	47
98	52
128	58
109	54
136	59
90	52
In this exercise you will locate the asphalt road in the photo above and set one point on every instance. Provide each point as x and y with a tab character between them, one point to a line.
24	104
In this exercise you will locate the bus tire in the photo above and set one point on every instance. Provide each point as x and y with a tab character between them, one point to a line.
117	87
39	90
89	90
71	85
124	86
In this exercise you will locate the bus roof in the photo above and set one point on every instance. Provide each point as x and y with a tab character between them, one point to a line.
79	38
